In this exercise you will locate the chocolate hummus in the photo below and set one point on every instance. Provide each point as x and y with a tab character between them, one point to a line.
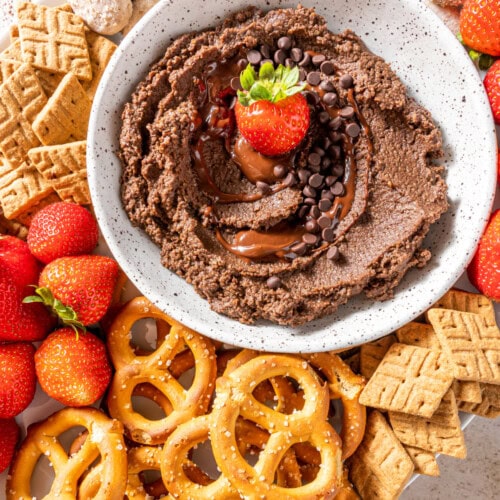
287	238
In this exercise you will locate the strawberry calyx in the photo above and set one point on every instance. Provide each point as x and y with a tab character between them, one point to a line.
269	84
483	61
66	314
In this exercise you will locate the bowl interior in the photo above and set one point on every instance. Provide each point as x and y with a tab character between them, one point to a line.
439	75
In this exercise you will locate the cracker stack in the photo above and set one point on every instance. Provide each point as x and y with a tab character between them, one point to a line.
420	378
48	77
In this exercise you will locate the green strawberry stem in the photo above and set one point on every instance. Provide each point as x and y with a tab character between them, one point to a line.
483	61
66	314
269	85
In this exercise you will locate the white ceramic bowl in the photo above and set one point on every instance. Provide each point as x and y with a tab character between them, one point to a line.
438	74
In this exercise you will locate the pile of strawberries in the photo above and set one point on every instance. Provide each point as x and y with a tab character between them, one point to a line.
51	290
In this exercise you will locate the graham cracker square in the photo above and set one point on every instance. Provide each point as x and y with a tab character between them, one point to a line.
470	343
13	51
380	467
418	334
441	433
65	117
21	100
489	406
410	380
7	67
65	167
425	461
53	40
467	391
371	354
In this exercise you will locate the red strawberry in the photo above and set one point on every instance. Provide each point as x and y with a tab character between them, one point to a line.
480	25
270	112
79	289
8	440
492	86
73	369
62	229
498	166
15	256
484	270
19	321
17	378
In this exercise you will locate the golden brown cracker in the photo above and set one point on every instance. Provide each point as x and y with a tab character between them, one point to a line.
467	391
12	227
409	379
371	354
7	67
418	334
425	461
380	467
13	33
65	116
48	81
13	51
460	300
489	406
470	342
354	362
65	167
100	51
441	433
53	40
21	100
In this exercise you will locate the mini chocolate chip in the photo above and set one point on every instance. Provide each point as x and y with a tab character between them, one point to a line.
273	282
309	201
318	59
254	56
302	211
330	180
338	170
306	60
335	123
289	63
326	85
315	169
312	98
310	239
316	180
279	171
327	234
324	221
312	226
327	67
323	117
335	136
284	43
309	192
279	56
337	189
296	54
353	129
290	179
326	143
333	253
319	151
302	75
334	152
263	187
330	98
299	248
265	50
303	174
313	78
347	112
314	159
346	81
314	212
327	194
324	204
235	83
326	162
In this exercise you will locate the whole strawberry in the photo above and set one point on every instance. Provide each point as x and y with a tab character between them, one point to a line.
480	25
492	86
17	378
73	369
484	269
9	436
62	229
78	289
271	114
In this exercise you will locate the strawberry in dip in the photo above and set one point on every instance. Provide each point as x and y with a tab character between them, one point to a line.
280	168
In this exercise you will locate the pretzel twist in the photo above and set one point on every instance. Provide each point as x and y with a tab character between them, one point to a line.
134	369
104	442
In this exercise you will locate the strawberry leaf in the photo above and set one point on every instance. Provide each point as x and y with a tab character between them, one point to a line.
266	72
248	77
260	93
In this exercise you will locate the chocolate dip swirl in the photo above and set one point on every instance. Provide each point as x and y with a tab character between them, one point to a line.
344	212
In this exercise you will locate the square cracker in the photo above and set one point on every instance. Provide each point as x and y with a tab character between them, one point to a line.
21	100
418	334
13	51
64	166
53	40
380	467
371	354
470	343
489	406
441	433
7	67
425	461
410	380
467	391
65	117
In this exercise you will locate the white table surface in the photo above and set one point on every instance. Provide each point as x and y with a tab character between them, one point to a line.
477	477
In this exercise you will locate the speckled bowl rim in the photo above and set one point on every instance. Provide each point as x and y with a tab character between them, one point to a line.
453	239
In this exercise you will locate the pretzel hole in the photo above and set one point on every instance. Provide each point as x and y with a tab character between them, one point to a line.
203	467
149	402
42	478
147	334
153	484
282	394
299	466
